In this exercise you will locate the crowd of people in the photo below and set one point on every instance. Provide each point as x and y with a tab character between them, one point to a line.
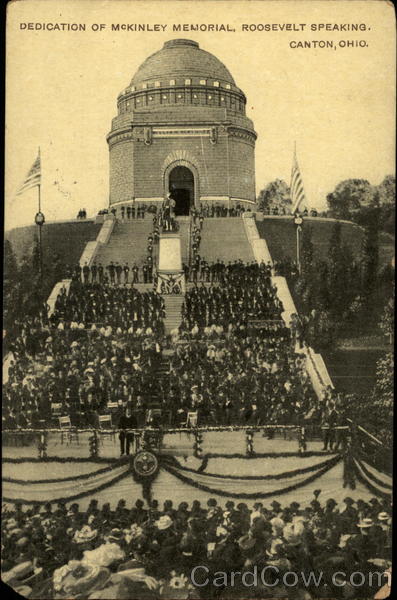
103	345
275	209
231	362
82	214
153	550
79	373
268	384
207	210
240	292
123	308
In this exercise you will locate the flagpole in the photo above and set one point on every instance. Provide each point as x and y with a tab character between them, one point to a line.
40	221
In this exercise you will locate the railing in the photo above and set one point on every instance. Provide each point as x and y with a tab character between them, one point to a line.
203	429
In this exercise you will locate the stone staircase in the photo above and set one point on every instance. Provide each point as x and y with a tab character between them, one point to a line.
225	238
173	305
127	243
184	226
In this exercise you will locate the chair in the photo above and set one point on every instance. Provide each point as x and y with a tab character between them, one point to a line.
192	419
167	417
153	416
66	427
113	406
105	422
56	409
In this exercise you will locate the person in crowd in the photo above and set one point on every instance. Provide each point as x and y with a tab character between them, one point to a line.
167	543
127	421
126	270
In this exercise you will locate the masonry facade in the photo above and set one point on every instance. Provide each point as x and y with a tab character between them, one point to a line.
181	128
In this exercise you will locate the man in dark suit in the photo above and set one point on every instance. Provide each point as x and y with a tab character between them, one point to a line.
127	421
126	270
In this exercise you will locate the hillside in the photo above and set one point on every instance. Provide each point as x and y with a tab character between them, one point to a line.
66	238
280	235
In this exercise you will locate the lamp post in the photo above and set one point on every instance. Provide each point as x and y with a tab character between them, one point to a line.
298	224
39	219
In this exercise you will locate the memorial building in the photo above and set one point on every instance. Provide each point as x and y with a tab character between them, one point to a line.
181	127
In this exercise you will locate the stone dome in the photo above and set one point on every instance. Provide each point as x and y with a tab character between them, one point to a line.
182	58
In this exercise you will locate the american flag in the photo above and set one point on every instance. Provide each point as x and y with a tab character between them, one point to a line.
297	191
33	178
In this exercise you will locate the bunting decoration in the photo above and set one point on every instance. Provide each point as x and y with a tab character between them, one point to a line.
197	447
250	443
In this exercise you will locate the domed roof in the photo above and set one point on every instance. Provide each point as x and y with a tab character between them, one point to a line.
182	58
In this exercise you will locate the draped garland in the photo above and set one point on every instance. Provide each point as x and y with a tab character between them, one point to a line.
354	468
61	479
58	459
269	454
371	482
252	496
77	496
173	462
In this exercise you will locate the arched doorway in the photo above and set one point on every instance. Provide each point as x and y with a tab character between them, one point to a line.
181	187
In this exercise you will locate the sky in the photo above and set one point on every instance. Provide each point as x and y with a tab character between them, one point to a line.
337	104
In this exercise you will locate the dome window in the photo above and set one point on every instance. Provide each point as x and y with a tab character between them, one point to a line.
132	88
172	81
209	97
138	100
222	98
144	86
179	95
216	84
150	97
188	81
228	86
165	97
156	84
203	82
128	103
195	96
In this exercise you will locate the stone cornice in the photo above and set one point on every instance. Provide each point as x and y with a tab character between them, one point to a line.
127	134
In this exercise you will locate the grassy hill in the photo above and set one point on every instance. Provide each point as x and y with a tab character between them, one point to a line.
67	239
280	235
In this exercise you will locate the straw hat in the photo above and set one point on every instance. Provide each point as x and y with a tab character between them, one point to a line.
383	516
365	523
246	542
84	580
23	590
116	535
163	523
85	534
18	573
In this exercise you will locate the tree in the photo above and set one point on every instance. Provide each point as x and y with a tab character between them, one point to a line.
276	193
370	256
307	250
381	403
348	197
10	264
387	319
387	190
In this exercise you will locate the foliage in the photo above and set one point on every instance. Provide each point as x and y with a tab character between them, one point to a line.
348	196
355	199
25	291
276	193
387	319
376	410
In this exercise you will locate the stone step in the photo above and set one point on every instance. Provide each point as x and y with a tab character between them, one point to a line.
128	243
224	238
